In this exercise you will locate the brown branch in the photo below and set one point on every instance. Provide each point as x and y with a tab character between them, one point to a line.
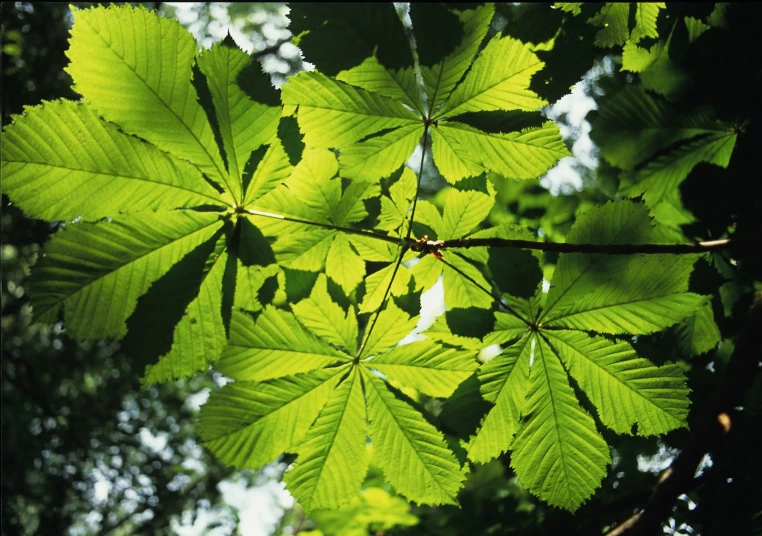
707	435
611	249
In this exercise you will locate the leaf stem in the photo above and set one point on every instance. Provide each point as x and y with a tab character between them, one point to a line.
349	230
418	184
366	337
494	293
403	249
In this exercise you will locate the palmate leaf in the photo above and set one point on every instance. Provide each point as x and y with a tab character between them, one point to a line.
375	133
532	409
139	148
314	194
341	391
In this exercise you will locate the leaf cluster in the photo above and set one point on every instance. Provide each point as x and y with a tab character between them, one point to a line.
212	220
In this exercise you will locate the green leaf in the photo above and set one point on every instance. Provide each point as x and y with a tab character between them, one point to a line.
98	271
503	381
575	8
497	80
134	68
333	459
248	424
377	283
441	78
272	346
334	114
339	36
326	319
426	367
79	165
519	155
699	334
557	453
621	294
632	126
392	325
618	293
645	20
507	328
381	155
270	172
343	265
625	388
249	283
465	286
613	18
395	208
441	332
400	85
463	212
244	124
411	452
200	336
658	182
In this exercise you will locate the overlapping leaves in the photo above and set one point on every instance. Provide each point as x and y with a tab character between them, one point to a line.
163	130
375	114
303	385
190	215
556	450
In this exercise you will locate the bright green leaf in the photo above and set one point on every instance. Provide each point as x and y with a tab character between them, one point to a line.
426	367
333	459
503	381
625	388
135	69
412	453
557	454
61	161
248	424
272	346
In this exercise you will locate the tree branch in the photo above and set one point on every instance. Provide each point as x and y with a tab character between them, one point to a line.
611	249
710	432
